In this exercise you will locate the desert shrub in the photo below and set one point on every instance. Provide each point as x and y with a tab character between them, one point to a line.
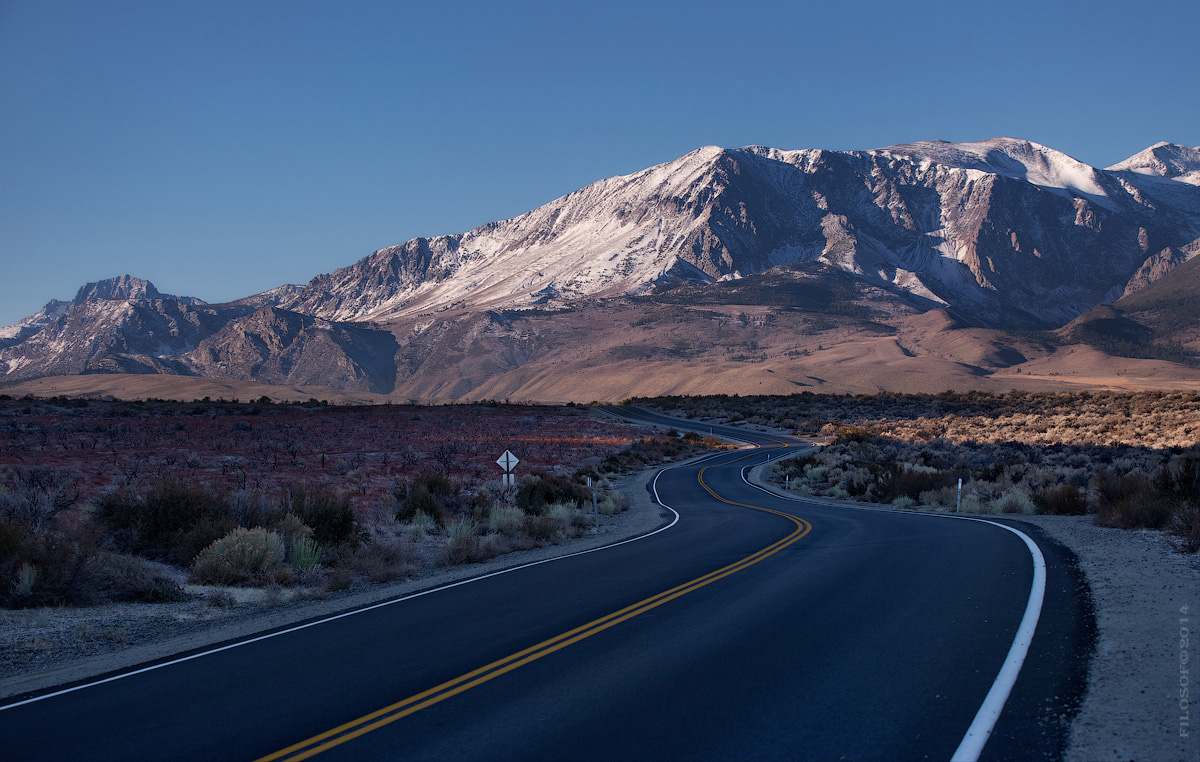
291	528
432	493
506	519
904	501
1061	500
199	536
944	497
159	523
241	556
538	490
421	525
221	599
375	562
250	508
854	434
612	504
794	467
544	529
48	565
911	483
36	495
338	579
1128	501
461	529
1014	501
975	504
463	544
421	501
278	576
1185	522
328	514
122	577
567	515
62	562
436	483
1180	478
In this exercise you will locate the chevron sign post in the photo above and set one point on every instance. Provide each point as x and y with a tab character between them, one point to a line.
508	462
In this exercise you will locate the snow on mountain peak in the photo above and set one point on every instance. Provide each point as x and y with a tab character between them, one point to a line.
1011	157
1164	159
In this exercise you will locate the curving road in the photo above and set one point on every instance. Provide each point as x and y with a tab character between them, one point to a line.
754	627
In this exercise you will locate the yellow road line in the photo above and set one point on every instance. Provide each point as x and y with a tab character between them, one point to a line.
377	719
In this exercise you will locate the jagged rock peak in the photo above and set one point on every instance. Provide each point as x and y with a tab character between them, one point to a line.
126	287
120	287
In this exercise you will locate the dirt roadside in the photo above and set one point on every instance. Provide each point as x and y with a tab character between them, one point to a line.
1142	588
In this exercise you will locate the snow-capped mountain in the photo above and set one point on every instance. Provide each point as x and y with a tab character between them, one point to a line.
118	325
1164	160
121	288
1002	233
1011	233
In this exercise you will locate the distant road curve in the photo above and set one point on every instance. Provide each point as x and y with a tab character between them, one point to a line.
756	627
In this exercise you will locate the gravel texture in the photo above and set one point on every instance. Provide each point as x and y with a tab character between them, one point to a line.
42	648
1142	587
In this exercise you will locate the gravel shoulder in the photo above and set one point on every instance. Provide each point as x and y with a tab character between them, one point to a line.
1142	587
49	647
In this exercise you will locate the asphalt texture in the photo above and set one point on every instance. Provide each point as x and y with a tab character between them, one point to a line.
868	635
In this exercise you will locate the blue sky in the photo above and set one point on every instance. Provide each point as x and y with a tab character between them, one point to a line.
223	148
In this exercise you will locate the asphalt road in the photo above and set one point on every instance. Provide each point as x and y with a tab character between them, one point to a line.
754	628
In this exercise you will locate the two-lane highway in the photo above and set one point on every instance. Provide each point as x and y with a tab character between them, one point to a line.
754	627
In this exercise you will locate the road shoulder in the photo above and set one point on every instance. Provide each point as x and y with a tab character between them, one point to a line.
1140	588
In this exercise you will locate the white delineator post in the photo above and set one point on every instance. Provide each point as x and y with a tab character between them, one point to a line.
508	462
595	509
958	501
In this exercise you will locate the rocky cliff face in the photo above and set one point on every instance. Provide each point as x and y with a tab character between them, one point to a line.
276	346
95	334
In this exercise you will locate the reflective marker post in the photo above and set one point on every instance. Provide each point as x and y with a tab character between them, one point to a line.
595	509
958	502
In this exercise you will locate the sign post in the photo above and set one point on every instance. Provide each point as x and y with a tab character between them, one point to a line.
508	462
595	509
958	501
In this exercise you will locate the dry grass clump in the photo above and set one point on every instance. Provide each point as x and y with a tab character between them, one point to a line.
373	562
243	555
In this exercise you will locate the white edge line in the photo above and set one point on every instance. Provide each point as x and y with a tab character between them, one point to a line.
985	720
240	643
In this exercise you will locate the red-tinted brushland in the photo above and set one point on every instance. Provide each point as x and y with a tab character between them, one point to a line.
362	451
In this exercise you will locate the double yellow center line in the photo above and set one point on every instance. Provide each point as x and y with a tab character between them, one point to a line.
389	714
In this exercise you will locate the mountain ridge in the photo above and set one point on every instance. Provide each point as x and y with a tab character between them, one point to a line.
1003	234
721	213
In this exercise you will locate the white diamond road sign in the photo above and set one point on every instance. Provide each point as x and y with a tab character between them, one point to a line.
507	461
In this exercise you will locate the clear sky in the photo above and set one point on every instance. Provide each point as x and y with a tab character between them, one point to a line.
223	148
